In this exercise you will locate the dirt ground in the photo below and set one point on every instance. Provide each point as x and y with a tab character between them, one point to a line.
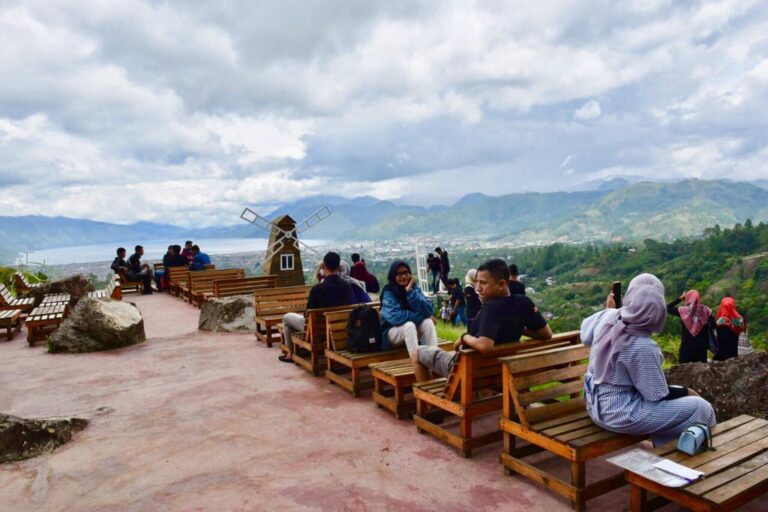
199	421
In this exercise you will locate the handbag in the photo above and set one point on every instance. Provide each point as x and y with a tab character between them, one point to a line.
695	439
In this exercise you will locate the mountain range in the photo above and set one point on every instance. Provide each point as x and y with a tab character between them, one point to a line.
618	211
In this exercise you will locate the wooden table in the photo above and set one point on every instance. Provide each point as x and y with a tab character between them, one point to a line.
735	473
10	320
43	320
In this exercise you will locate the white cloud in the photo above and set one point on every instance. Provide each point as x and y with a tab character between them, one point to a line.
219	105
588	111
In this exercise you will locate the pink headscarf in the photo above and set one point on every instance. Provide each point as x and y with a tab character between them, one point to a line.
694	314
644	312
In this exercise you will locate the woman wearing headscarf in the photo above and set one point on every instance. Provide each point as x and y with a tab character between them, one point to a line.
406	313
730	324
358	287
697	325
624	387
473	299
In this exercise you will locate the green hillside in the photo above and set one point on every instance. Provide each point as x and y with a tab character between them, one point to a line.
723	262
660	210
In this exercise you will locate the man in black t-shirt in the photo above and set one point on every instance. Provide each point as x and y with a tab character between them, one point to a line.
515	286
331	292
504	318
445	265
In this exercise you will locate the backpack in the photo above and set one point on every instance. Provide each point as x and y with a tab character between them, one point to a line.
364	330
371	283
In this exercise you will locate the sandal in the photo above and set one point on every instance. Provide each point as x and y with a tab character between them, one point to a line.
285	358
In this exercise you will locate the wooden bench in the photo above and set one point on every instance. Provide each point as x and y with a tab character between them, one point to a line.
177	277
392	385
348	369
56	298
735	473
10	320
22	284
309	346
43	320
544	407
242	286
112	291
270	304
200	283
127	285
473	389
8	301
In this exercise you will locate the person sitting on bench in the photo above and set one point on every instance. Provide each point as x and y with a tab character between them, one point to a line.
503	318
406	313
331	292
120	265
141	270
199	259
624	386
358	287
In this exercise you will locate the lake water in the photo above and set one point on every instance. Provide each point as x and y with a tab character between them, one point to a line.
153	250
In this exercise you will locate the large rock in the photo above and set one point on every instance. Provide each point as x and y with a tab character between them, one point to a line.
98	324
228	314
23	439
77	286
736	386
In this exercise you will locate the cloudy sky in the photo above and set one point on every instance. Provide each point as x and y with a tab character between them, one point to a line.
184	112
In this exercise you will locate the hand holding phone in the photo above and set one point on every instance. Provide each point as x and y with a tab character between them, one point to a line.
616	292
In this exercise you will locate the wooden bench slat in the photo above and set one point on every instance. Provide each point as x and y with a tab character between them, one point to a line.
713	482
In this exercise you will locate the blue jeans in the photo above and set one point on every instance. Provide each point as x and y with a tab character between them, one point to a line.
461	316
435	281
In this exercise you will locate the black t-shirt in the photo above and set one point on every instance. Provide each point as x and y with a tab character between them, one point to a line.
516	288
135	263
473	302
175	260
504	319
445	264
333	291
457	294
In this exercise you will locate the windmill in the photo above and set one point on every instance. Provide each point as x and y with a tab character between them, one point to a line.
283	254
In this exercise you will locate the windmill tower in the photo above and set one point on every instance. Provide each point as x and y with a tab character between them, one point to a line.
283	254
286	262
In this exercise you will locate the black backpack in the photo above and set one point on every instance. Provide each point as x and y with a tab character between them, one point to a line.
364	330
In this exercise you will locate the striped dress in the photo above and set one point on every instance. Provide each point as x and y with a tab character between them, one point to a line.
631	400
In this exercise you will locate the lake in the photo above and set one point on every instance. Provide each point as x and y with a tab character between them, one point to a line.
153	250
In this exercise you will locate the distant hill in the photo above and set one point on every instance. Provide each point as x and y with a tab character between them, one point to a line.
634	211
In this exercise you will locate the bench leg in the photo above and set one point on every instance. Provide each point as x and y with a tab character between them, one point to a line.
355	376
421	411
578	481
509	448
466	436
637	497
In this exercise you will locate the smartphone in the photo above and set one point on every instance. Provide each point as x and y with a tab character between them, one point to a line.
616	289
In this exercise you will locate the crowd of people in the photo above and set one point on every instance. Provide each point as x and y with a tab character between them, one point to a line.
176	256
702	331
624	387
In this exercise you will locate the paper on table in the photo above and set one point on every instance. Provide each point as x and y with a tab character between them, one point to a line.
641	462
678	470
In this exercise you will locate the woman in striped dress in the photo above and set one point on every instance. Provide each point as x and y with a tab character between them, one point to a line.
624	387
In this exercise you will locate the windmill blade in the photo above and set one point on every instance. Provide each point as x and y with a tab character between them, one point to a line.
267	253
320	214
254	218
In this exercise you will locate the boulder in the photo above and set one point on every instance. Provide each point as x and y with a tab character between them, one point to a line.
98	324
228	314
77	286
733	387
23	439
